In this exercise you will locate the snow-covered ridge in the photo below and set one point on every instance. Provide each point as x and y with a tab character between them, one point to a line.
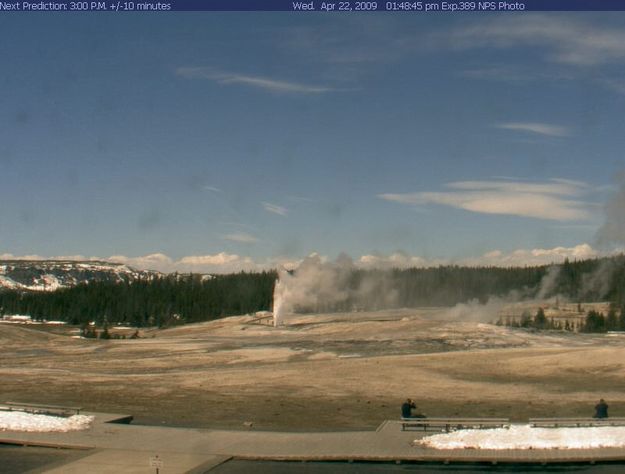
50	275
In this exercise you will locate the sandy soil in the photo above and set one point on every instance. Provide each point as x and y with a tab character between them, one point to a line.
322	372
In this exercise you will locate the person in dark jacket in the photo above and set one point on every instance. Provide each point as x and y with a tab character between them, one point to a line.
601	409
407	407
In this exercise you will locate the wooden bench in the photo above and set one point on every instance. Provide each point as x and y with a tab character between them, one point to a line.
41	409
575	422
450	424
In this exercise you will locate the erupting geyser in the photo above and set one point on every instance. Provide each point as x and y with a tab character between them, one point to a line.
318	285
277	304
280	291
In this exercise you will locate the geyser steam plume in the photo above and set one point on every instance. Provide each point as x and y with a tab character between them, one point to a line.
612	232
317	285
280	291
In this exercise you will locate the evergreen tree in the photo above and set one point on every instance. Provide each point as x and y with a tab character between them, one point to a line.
540	320
611	321
179	298
595	322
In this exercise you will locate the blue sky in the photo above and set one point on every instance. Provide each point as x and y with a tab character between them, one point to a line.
219	141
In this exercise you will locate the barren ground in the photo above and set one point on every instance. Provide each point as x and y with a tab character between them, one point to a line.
322	372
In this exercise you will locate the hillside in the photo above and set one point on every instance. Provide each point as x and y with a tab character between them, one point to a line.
50	275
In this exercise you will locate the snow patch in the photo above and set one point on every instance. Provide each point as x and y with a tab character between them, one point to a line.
16	318
526	437
7	282
20	421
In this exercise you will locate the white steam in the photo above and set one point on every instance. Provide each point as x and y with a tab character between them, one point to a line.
317	285
475	311
548	283
612	232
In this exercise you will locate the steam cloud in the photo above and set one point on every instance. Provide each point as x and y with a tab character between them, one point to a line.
548	283
610	236
317	286
475	311
612	232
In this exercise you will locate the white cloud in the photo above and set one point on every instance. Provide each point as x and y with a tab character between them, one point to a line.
241	237
154	261
555	186
212	189
617	85
221	262
565	39
265	83
515	74
275	209
536	256
535	127
495	258
10	256
218	259
224	262
395	260
551	200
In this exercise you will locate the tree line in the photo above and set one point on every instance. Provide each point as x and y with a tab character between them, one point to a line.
593	322
174	299
160	301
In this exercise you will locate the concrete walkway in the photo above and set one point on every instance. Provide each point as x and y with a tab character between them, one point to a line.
130	448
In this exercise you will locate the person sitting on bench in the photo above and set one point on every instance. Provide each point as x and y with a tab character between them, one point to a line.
601	409
406	410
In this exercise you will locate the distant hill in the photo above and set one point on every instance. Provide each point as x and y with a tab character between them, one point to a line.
50	275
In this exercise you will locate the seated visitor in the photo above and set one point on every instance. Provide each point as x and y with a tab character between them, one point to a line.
406	410
601	409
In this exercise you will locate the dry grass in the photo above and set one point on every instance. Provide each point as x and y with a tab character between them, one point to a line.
340	371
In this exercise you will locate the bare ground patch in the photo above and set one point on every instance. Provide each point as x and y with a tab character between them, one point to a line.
325	372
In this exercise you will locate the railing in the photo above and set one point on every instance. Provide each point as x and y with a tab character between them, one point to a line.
41	409
450	424
575	422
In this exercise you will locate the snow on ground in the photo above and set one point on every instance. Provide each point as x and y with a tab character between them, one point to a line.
9	283
20	421
526	437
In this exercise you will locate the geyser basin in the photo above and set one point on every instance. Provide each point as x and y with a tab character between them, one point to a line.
526	437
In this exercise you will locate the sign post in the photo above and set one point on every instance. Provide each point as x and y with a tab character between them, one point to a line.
156	462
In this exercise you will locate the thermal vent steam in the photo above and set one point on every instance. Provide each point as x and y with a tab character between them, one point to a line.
318	286
612	232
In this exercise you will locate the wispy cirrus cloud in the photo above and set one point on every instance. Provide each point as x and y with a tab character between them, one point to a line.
516	74
616	85
212	189
565	40
556	199
538	128
241	237
269	84
275	209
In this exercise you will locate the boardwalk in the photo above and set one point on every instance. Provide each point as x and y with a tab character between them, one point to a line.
128	448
